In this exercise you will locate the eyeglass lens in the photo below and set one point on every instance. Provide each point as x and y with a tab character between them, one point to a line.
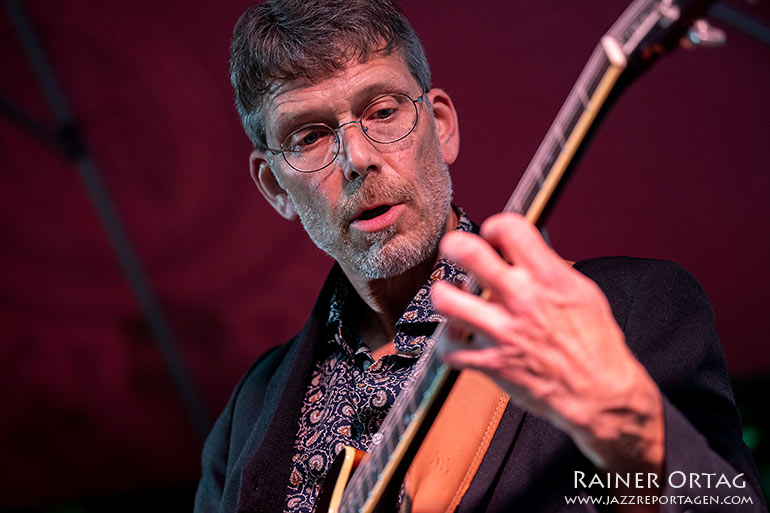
387	119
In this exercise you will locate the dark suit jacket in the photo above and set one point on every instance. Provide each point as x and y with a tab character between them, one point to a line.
530	465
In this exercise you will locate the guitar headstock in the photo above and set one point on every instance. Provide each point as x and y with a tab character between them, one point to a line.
648	29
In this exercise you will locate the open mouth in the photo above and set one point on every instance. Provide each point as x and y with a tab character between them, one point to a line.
373	212
378	217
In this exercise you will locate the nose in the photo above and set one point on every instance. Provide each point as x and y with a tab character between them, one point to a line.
359	155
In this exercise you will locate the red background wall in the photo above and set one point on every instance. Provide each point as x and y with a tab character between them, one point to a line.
678	170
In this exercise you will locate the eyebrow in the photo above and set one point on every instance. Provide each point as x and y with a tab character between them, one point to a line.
368	93
288	121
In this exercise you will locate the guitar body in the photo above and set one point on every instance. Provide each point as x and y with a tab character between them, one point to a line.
337	479
447	459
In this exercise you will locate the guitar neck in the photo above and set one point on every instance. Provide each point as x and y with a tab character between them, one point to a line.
556	155
645	30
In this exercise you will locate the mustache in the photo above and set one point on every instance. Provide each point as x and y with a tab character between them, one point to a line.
373	192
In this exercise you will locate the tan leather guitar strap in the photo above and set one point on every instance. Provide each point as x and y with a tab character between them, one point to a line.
452	451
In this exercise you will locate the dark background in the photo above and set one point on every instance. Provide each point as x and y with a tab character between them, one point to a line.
90	418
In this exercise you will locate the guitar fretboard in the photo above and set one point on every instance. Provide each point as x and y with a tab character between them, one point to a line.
560	132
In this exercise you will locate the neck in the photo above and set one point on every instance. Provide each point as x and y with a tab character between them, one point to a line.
387	298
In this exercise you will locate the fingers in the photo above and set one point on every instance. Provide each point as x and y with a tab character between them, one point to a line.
466	310
474	254
520	243
486	359
512	372
505	283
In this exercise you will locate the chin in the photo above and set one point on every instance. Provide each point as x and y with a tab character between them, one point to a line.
394	257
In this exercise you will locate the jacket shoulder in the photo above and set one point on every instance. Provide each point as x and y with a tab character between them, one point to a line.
655	286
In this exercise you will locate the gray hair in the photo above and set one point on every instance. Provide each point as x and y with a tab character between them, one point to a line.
283	40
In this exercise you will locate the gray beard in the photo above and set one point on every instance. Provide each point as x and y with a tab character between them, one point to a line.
385	260
383	254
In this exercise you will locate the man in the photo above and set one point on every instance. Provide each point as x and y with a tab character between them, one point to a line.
351	139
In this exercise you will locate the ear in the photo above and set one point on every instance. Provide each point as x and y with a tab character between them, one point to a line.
268	185
445	117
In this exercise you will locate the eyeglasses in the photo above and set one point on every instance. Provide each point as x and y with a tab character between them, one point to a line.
386	119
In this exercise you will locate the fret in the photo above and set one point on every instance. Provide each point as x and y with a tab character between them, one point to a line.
627	27
393	437
515	202
559	134
531	193
369	478
598	66
573	115
411	403
582	96
539	169
559	124
552	153
539	180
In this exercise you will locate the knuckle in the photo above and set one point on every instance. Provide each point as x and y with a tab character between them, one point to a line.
469	253
460	245
504	223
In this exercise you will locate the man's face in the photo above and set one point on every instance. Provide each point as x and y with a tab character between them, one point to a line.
378	209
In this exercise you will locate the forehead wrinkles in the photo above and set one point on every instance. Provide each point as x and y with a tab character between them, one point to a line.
351	84
274	100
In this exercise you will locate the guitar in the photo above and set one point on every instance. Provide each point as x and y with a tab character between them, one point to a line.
646	30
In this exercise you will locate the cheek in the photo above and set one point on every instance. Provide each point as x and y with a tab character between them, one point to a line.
417	161
312	193
430	160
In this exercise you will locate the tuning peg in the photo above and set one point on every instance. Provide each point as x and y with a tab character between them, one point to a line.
702	33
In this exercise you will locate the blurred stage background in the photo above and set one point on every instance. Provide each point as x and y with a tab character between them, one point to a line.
92	419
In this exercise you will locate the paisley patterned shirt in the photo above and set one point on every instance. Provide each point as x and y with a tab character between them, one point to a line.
350	393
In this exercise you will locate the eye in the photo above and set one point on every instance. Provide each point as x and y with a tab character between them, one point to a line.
307	138
382	109
384	113
310	138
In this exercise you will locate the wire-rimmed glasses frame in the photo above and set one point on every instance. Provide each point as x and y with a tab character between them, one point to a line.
386	119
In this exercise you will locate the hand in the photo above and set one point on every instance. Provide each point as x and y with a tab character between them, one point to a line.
547	336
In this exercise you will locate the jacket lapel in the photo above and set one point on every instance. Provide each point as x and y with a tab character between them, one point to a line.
270	444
